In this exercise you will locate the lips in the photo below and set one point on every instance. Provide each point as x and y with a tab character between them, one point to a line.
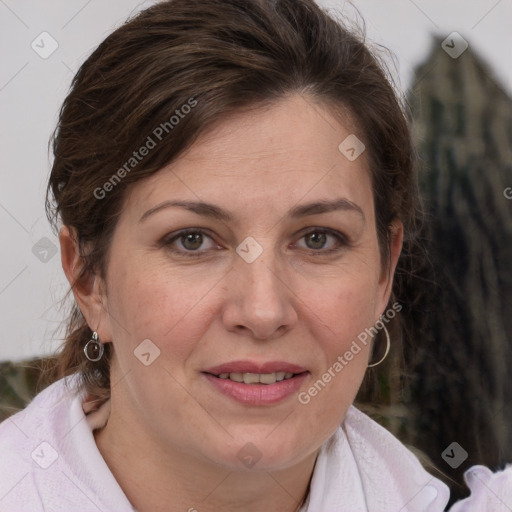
257	383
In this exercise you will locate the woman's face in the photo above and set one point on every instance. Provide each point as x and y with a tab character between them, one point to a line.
278	275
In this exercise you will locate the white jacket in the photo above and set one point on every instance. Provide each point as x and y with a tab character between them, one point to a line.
49	461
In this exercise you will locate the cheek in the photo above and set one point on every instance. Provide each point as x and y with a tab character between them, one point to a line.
344	306
339	314
344	318
150	305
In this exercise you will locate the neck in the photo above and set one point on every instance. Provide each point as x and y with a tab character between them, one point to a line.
177	481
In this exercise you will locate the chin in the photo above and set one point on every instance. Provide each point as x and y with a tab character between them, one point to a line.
262	451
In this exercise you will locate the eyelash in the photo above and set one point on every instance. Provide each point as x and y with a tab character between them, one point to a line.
342	242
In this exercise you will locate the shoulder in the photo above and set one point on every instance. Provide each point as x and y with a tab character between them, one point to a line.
28	444
41	415
490	492
378	448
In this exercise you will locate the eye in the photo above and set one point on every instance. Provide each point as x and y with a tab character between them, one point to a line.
189	242
195	242
318	240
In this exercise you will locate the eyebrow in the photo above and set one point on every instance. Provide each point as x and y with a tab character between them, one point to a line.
213	211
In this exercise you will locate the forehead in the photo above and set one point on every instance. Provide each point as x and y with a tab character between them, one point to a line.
265	156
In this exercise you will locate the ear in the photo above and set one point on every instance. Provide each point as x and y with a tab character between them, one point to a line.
89	290
395	248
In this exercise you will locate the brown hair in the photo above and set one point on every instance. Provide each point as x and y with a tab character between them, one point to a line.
216	57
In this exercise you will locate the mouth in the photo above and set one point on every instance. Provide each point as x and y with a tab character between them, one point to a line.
257	384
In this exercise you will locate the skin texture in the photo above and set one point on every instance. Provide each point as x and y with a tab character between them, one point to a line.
172	439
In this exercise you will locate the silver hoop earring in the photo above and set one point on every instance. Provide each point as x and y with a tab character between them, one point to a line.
94	349
388	346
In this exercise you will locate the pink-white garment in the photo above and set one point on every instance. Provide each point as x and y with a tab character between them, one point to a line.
49	461
490	492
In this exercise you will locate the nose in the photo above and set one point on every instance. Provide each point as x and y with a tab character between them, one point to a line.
259	302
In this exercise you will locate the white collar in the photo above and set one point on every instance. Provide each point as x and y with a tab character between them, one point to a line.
364	468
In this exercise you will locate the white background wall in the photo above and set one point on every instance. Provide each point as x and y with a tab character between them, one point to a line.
32	283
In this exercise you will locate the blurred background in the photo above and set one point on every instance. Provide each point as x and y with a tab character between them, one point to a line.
447	390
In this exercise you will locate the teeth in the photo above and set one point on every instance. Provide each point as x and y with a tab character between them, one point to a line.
257	378
268	378
252	378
